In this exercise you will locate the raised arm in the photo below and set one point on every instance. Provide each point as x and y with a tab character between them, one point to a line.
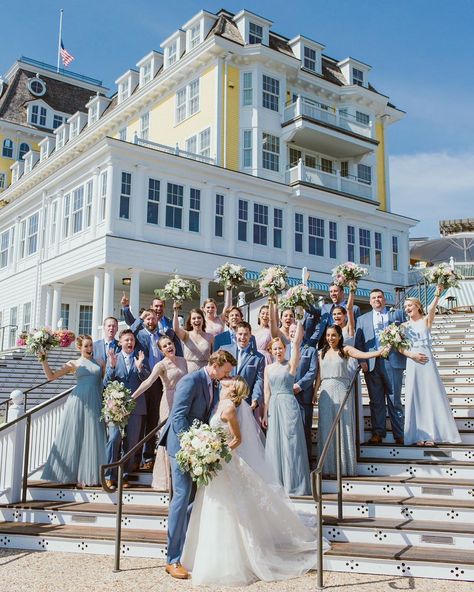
227	302
274	320
429	318
157	372
296	347
350	313
66	369
181	333
127	313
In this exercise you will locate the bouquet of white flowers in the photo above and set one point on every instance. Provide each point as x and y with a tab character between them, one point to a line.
177	289
202	451
444	276
230	275
394	336
40	342
273	280
117	404
348	274
299	298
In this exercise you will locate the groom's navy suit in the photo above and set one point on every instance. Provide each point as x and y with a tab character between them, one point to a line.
192	400
384	377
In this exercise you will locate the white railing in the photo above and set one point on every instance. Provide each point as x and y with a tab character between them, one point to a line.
170	150
331	180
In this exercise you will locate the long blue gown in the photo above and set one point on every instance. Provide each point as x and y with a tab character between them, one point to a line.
79	447
285	449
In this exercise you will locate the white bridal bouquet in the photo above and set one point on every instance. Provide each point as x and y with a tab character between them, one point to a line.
348	274
202	451
394	336
273	280
299	298
444	276
177	289
230	275
117	404
40	342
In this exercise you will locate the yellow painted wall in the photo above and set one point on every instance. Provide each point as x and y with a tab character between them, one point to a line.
5	163
380	159
232	118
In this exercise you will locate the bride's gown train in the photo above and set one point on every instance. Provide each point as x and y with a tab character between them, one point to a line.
242	526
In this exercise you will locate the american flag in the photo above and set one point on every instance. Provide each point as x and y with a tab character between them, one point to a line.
65	55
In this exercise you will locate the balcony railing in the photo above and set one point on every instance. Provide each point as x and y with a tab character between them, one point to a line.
341	119
170	150
329	179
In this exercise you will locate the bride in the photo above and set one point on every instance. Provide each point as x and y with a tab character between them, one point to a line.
242	526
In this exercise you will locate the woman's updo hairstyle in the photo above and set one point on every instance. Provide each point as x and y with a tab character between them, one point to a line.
239	390
80	340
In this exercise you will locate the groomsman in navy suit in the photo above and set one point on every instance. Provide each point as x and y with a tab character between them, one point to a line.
250	363
383	376
102	346
195	398
130	367
338	298
234	316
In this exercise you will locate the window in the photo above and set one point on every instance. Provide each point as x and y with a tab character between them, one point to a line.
22	239
29	236
344	168
378	249
125	194
3	181
27	316
24	149
277	227
85	319
364	174
395	253
38	115
93	113
351	243
260	224
88	214
123	134
172	53
7	151
255	34
144	126
294	157
77	209
187	101
60	138
64	315
194	209
327	165
247	89
195	36
174	206
333	240
364	246
103	194
193	97
4	248
362	118
74	128
315	236
191	145
57	120
309	59
54	221
153	201
357	77
66	215
14	322
219	217
247	149
271	93
299	233
123	90
271	152
310	161
243	220
205	142
36	87
146	73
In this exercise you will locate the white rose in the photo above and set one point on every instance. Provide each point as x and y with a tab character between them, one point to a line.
197	471
38	335
196	443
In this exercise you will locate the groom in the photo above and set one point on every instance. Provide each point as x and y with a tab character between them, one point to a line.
195	398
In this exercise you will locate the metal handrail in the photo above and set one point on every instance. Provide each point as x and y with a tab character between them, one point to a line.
120	465
317	476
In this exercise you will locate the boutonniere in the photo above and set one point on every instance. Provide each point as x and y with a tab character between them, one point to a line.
305	346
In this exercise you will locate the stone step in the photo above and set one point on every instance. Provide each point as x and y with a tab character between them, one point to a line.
443	452
447	469
464	418
467	437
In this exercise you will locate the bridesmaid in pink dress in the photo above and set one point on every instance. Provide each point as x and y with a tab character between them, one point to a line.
170	370
263	335
197	344
216	324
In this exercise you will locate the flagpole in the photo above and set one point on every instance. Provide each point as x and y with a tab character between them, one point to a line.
60	37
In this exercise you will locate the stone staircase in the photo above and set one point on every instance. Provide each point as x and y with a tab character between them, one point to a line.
409	512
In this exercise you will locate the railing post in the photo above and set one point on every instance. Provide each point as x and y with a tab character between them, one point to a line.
338	469
118	527
14	460
319	530
26	459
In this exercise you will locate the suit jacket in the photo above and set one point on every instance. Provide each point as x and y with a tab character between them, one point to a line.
326	318
306	374
251	369
136	325
311	325
131	379
191	401
99	350
365	338
226	338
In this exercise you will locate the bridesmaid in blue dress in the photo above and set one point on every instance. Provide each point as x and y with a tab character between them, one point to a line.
285	449
79	446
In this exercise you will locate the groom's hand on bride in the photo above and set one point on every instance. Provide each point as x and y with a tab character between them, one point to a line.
419	357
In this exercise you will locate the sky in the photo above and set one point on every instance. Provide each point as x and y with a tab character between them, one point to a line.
421	53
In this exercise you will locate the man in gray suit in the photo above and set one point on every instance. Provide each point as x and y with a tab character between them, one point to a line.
383	376
102	346
195	398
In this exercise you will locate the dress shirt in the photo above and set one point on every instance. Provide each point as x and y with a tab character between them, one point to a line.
129	360
380	320
210	386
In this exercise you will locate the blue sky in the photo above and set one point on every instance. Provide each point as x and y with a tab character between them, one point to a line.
421	53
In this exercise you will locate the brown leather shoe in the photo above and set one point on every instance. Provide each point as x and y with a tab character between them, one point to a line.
176	570
375	439
110	484
400	441
148	466
126	484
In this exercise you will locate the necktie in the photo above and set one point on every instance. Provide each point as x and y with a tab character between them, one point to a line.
129	361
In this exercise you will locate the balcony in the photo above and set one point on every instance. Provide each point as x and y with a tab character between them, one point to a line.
333	180
336	133
170	150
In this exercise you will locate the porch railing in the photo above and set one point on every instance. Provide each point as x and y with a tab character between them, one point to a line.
170	150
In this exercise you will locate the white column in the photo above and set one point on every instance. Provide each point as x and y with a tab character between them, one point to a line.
108	302
48	306
56	308
97	302
135	291
204	290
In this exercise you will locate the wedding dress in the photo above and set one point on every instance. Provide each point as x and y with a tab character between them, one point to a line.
242	526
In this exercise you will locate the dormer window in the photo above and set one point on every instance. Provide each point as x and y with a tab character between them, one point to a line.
255	33
146	73
172	53
93	113
195	36
309	58
357	77
58	120
148	67
24	149
61	137
38	115
123	90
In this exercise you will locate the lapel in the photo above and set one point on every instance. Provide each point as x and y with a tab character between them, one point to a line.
369	331
205	388
244	361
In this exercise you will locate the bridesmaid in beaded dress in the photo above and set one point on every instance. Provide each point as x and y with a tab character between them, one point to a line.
170	370
197	344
